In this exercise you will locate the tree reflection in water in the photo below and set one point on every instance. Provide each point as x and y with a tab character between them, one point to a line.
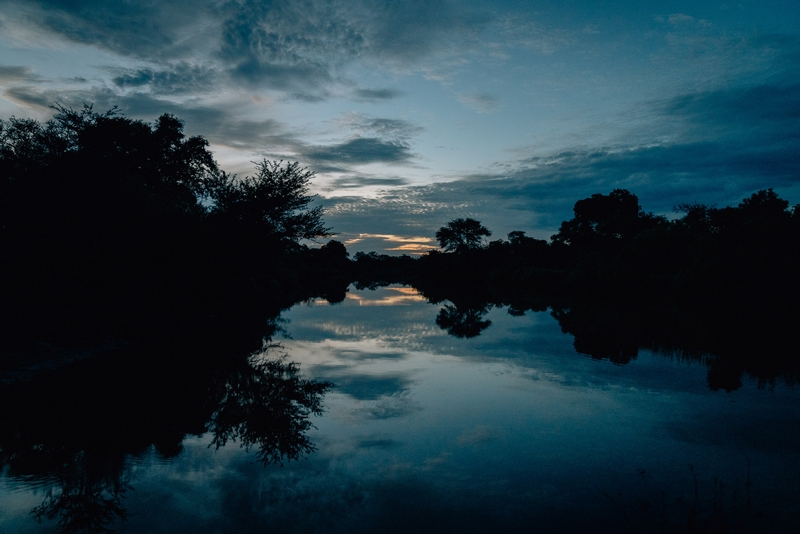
87	497
266	405
75	430
463	321
741	342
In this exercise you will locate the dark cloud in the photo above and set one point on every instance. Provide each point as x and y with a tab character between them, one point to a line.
221	125
361	150
32	96
287	44
175	79
371	387
296	46
393	128
301	44
321	96
136	105
750	112
406	31
141	29
378	443
15	74
350	182
377	95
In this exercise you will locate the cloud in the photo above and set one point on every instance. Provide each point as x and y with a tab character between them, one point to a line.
302	44
179	78
724	145
680	18
288	44
481	103
479	434
296	46
365	242
353	181
220	124
32	96
382	443
320	96
742	112
376	95
386	140
139	29
16	74
371	387
359	151
392	129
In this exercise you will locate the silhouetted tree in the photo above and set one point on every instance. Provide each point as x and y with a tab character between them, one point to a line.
461	234
115	226
616	216
275	201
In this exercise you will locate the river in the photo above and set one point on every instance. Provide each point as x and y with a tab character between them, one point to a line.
510	430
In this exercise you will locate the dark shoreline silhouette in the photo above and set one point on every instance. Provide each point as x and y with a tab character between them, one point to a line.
135	271
118	232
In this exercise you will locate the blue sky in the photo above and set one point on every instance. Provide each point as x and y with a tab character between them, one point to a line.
413	113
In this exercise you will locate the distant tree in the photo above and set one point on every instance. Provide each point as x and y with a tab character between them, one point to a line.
517	237
764	202
519	240
461	234
613	217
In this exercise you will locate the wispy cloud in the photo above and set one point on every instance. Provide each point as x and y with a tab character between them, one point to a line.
355	181
178	78
481	103
295	46
376	95
361	150
398	129
16	74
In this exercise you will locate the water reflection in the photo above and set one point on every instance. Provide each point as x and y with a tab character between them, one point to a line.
462	321
87	496
513	427
730	345
425	431
73	431
266	406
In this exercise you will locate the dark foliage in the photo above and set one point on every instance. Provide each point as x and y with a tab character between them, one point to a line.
122	234
134	271
267	405
54	430
274	202
115	228
461	234
717	284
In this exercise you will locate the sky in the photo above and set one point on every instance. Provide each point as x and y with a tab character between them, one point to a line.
412	113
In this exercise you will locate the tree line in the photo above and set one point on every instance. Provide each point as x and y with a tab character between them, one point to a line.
117	229
111	226
713	284
114	228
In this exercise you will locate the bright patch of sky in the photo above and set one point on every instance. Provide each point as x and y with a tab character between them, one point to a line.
413	113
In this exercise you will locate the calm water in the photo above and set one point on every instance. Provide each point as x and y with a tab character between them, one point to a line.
508	431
